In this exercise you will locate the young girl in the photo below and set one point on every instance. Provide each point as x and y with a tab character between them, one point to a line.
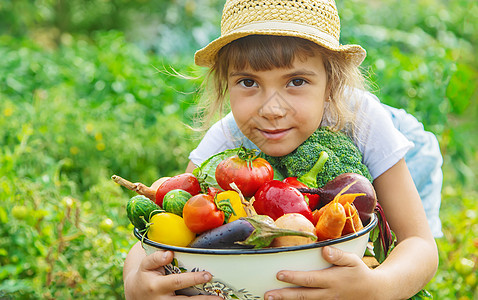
281	68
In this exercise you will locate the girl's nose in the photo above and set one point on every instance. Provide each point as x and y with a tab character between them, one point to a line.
274	107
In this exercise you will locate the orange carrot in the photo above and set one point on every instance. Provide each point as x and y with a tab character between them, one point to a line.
331	222
332	217
349	198
316	215
342	199
353	222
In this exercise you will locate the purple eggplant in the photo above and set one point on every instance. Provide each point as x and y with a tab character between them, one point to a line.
364	204
225	236
245	233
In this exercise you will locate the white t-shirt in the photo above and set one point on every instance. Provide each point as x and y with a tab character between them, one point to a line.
381	144
384	135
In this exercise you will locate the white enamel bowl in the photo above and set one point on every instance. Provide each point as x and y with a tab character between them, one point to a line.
249	273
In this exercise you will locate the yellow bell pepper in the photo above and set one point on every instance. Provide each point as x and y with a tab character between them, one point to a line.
236	204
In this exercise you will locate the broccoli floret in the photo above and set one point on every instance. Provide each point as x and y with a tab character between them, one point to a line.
343	157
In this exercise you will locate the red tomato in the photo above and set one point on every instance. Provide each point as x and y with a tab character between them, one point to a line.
186	182
200	213
212	191
247	173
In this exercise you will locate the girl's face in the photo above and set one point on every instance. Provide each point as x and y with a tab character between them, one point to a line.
279	109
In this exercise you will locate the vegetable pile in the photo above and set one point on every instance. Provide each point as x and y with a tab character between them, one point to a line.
343	157
235	199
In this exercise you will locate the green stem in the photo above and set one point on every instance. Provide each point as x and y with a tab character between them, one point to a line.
225	206
248	155
310	178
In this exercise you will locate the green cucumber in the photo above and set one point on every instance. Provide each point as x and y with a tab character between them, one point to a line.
139	209
174	201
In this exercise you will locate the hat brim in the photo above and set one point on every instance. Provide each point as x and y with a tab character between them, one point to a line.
206	56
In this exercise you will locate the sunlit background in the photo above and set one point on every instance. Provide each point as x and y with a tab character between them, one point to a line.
87	91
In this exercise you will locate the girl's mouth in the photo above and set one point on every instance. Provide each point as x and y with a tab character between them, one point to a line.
274	134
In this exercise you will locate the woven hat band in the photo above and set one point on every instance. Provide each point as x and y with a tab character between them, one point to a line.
284	26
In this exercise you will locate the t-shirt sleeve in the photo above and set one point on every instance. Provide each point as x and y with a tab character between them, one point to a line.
381	144
214	141
224	134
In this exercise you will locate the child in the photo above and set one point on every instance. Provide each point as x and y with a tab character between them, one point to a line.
280	65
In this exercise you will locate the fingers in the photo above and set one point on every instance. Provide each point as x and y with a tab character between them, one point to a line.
172	282
303	278
184	280
326	283
322	278
156	260
340	258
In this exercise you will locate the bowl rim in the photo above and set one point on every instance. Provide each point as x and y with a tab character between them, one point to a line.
363	231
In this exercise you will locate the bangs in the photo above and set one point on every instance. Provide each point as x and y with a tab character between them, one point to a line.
264	52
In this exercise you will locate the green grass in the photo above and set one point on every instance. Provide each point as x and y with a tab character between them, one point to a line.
456	277
73	116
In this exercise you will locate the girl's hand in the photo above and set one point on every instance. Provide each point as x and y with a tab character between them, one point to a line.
349	278
149	281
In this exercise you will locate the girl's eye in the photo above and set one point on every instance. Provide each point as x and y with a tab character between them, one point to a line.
247	82
297	82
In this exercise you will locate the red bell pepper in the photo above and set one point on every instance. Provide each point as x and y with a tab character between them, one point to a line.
276	198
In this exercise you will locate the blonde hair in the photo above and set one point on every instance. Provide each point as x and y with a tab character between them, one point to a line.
266	52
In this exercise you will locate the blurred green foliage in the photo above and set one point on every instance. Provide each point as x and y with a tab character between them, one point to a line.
421	57
109	92
172	27
70	119
89	89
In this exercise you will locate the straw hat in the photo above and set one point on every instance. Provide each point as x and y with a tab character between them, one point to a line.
314	20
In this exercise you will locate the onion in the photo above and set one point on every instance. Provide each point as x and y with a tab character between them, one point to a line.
293	221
